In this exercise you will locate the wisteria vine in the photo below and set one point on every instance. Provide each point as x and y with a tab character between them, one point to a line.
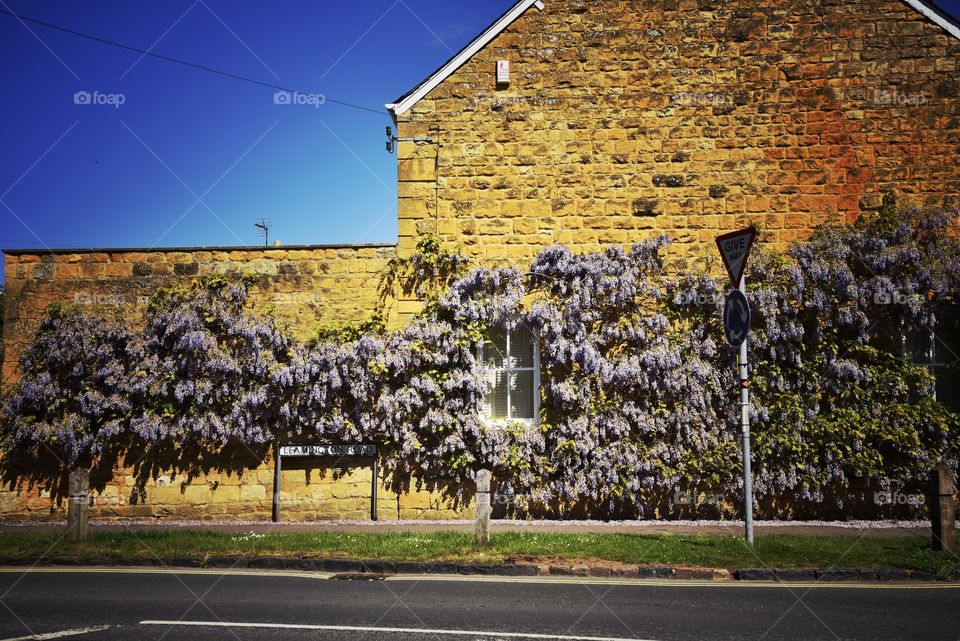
638	397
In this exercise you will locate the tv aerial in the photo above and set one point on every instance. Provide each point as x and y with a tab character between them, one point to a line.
264	229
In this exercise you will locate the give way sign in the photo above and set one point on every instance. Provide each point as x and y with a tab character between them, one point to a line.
735	248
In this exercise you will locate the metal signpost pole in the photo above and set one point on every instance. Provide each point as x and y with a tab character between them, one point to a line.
745	427
735	250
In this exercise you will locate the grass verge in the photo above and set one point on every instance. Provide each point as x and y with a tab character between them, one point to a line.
770	551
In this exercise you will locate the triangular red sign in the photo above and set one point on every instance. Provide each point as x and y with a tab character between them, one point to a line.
734	249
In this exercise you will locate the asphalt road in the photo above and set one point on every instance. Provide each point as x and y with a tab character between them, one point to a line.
141	605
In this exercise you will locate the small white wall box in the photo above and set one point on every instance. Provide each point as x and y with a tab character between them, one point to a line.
503	72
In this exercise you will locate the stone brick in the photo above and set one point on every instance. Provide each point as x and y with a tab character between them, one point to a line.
9	502
67	271
412	208
118	270
252	493
418	169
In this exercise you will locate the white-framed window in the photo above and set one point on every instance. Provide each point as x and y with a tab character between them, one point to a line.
930	348
512	363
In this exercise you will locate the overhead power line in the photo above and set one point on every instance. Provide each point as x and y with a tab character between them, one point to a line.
178	61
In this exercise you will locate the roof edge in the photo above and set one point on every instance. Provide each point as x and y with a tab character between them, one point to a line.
405	102
168	250
936	15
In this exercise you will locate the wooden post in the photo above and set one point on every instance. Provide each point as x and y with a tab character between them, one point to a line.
373	487
276	484
78	505
483	507
943	512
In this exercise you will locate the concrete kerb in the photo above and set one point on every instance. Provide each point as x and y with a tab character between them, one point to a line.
351	568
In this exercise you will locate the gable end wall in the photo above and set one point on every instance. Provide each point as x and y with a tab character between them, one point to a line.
628	119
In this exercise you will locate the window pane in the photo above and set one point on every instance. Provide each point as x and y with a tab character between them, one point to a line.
495	349
497	394
947	347
917	346
521	395
521	348
888	336
948	387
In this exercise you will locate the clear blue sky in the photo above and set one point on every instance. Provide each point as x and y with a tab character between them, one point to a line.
950	6
131	175
89	175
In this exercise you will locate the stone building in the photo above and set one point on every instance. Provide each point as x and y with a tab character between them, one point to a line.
585	122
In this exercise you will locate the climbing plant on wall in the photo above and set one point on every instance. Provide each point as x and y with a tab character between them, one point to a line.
71	407
638	397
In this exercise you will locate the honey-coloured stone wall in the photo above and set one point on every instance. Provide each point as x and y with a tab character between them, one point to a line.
625	119
313	489
304	286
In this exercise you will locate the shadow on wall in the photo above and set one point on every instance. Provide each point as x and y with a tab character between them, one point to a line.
866	499
157	482
44	472
44	477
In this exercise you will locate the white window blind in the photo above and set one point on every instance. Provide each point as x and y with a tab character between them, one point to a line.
512	363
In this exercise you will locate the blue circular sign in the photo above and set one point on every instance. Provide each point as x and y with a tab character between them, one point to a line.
736	318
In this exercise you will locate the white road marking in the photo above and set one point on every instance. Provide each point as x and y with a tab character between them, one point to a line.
363	628
62	633
172	569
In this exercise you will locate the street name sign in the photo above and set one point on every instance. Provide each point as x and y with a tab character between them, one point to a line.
734	249
328	450
325	450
